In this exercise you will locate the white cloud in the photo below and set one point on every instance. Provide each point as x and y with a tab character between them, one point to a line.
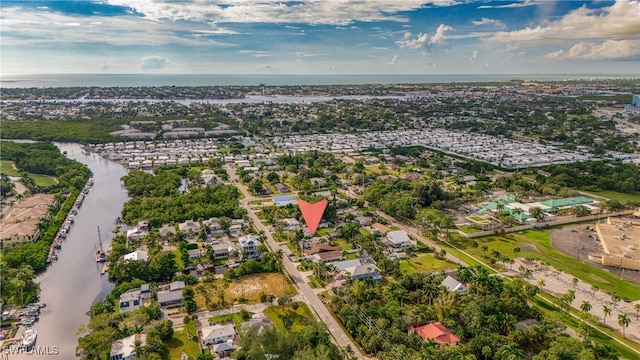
306	54
255	53
394	60
617	21
610	49
423	41
512	5
153	62
336	12
474	55
489	22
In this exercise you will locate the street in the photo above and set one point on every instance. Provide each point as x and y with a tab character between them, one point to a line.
304	290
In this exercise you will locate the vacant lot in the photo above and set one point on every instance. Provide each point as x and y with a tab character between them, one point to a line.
248	287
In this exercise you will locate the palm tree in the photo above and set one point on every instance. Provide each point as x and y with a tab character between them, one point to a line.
623	320
574	281
516	250
595	288
615	298
606	311
636	307
541	283
585	306
484	250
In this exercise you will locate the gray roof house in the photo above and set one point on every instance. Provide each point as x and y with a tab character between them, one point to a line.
217	334
366	271
453	285
170	298
130	301
399	239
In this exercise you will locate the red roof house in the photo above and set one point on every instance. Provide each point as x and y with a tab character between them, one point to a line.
436	332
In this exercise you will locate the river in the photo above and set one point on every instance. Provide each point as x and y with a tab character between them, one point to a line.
73	283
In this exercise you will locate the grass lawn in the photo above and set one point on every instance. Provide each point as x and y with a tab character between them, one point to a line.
344	244
614	195
178	255
235	317
425	263
324	231
249	287
301	317
468	229
6	167
477	218
180	342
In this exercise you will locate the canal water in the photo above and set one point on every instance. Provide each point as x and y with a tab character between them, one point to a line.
73	283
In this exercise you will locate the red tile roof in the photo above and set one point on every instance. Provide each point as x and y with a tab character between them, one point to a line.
436	332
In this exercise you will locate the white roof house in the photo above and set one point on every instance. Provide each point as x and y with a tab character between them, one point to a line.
136	233
141	255
453	285
217	334
399	239
125	349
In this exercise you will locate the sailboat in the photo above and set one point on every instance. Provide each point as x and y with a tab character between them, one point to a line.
101	256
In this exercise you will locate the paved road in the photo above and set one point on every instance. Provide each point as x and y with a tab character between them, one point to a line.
304	290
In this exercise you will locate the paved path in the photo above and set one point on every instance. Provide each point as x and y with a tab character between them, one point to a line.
305	293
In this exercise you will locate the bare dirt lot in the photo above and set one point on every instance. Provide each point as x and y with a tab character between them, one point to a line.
577	239
21	219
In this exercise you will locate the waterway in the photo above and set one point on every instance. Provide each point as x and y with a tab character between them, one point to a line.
73	283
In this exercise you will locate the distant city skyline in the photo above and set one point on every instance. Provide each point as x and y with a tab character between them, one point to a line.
320	37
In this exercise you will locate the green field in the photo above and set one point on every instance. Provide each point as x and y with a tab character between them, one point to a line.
425	263
6	167
614	195
180	342
301	317
43	180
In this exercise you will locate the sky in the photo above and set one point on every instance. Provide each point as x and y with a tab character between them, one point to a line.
320	37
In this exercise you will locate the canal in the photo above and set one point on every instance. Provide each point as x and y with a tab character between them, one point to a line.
73	283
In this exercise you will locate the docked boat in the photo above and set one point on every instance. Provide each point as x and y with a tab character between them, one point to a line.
101	256
29	337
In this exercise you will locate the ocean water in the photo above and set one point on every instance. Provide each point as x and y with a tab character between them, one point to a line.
142	80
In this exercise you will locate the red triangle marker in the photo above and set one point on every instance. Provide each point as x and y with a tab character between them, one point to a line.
312	213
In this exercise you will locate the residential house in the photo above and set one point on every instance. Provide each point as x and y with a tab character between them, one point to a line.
214	226
223	350
136	233
235	229
284	200
379	229
364	271
130	300
217	334
364	220
436	332
138	255
172	297
125	349
328	256
318	182
167	229
249	244
281	188
189	227
257	320
194	254
399	239
290	224
223	250
453	285
143	225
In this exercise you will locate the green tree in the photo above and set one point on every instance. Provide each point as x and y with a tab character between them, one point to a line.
585	306
606	311
624	321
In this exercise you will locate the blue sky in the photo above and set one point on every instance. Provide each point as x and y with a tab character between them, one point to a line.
320	37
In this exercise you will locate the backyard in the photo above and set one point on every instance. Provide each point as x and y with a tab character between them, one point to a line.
424	263
184	340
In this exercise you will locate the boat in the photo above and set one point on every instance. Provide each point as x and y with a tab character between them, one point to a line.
101	256
29	337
